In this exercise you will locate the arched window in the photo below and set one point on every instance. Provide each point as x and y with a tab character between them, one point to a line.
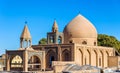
70	41
15	62
59	40
84	42
51	39
95	43
25	43
66	55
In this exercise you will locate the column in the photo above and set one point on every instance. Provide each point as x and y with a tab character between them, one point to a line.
32	61
21	45
103	58
25	61
59	54
8	65
30	43
43	61
90	56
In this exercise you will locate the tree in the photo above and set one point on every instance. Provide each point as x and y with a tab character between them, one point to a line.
43	41
108	41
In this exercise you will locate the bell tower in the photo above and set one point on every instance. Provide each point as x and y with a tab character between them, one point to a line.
55	37
25	39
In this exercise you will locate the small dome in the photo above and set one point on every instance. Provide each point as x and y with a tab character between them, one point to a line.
80	27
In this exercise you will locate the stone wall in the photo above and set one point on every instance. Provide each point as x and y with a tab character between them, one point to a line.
92	55
112	61
58	66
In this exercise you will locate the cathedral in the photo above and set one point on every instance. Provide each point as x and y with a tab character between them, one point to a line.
77	44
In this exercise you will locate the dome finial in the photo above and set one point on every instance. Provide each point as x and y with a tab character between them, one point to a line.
79	13
25	22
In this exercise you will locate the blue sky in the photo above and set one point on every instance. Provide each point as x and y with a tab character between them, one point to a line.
40	15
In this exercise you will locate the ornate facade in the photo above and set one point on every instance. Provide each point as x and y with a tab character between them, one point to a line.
77	43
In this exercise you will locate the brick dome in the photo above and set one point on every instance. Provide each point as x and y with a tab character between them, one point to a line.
79	27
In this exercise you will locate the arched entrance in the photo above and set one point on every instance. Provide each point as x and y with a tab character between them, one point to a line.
34	63
16	63
51	56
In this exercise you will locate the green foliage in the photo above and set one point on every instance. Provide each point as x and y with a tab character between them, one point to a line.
43	41
108	41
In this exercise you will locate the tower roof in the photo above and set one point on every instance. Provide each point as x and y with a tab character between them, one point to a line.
55	26
25	34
